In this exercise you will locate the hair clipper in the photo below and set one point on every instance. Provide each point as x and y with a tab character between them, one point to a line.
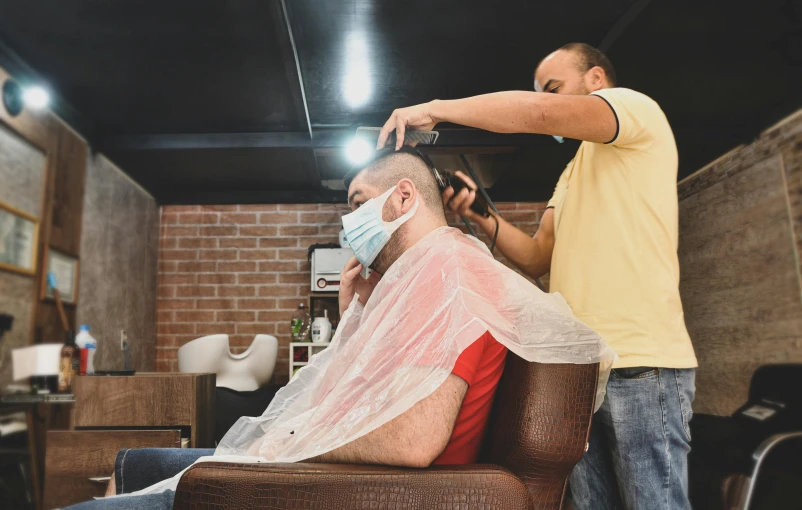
446	179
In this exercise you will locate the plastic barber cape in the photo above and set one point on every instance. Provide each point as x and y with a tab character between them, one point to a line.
434	302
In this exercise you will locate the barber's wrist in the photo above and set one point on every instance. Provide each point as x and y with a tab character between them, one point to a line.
488	225
437	111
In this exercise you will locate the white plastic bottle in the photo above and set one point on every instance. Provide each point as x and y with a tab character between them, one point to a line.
88	346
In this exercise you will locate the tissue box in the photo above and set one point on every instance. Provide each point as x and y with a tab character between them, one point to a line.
36	360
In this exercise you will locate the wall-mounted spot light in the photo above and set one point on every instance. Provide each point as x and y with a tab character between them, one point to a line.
358	151
36	98
356	82
12	97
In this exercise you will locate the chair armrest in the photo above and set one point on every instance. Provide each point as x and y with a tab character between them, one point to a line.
213	485
768	447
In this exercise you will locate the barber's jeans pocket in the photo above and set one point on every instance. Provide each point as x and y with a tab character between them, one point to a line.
635	373
686	389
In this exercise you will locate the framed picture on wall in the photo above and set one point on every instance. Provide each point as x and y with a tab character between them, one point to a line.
65	268
19	235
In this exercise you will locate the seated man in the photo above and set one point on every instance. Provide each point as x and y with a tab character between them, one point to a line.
411	373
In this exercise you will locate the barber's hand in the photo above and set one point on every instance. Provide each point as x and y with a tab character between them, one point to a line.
460	203
415	117
351	282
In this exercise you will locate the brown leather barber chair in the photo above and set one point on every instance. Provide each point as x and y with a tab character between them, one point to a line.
538	432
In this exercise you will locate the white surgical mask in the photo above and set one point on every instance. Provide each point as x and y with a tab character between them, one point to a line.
367	233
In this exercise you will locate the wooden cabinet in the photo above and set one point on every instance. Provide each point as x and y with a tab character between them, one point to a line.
154	400
76	457
149	410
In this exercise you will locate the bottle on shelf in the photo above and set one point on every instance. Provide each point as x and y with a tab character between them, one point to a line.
69	364
321	329
301	324
88	346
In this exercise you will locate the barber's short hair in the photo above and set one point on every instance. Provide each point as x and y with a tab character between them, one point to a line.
590	57
390	166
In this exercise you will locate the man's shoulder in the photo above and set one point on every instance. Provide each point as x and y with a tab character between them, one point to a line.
632	99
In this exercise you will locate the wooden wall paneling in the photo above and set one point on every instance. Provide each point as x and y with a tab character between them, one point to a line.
68	195
61	229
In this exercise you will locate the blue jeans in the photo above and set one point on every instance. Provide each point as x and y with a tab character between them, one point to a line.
639	444
137	469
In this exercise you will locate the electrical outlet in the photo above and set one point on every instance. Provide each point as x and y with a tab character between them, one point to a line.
123	339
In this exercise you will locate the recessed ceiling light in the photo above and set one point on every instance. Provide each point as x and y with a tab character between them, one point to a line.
36	98
357	85
358	151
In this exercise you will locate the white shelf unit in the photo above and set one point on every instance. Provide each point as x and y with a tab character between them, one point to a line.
312	349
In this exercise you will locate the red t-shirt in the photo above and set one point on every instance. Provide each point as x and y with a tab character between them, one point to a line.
481	366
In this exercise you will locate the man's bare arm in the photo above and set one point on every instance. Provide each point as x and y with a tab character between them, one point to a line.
414	439
532	255
572	116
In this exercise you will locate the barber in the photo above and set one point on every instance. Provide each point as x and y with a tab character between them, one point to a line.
609	241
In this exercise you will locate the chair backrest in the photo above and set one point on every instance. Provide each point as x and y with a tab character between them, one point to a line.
540	424
777	382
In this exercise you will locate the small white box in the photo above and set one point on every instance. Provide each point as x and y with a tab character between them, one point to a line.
327	265
36	360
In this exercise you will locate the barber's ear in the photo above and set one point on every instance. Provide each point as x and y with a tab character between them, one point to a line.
596	75
406	189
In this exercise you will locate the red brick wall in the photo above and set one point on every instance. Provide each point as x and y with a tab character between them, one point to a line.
242	270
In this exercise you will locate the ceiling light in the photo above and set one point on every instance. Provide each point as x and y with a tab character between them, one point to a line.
358	151
36	98
356	84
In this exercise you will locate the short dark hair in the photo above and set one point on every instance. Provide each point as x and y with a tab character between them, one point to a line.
590	57
388	167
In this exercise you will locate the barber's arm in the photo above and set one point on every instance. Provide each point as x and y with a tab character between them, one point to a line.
532	255
571	116
414	439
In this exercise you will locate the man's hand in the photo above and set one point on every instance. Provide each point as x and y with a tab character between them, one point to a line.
461	202
415	117
530	255
351	282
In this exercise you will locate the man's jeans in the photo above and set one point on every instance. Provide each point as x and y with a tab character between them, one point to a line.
639	443
138	469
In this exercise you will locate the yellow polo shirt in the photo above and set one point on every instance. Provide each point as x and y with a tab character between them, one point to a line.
616	233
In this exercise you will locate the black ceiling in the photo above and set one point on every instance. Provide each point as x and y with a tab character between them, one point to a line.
201	101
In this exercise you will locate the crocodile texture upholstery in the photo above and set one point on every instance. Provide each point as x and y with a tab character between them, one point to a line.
338	487
540	424
538	432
